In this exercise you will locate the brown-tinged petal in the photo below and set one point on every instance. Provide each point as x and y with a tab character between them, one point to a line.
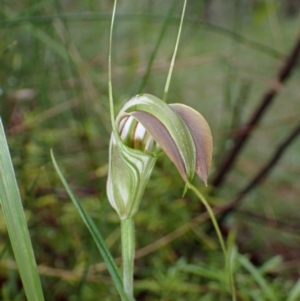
167	128
162	136
201	135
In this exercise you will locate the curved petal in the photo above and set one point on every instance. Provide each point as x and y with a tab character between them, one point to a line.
202	137
161	135
165	123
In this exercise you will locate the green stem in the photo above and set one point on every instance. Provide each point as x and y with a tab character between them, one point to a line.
221	240
110	93
127	238
174	54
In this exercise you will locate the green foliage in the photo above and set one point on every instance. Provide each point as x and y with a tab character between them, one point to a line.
53	94
13	213
111	265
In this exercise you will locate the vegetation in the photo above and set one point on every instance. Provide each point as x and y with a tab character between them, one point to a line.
53	95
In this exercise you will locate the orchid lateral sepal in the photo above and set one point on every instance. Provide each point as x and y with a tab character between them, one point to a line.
201	135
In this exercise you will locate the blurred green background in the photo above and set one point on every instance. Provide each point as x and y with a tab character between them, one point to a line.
53	94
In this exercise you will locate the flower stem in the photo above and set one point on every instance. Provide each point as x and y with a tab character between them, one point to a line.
221	240
174	54
110	93
127	238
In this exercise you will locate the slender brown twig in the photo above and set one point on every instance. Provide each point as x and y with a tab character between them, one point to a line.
262	174
245	132
270	222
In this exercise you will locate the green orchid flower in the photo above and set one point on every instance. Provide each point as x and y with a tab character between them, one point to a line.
145	126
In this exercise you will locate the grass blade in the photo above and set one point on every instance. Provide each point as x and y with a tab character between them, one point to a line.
265	288
209	273
16	224
295	292
111	265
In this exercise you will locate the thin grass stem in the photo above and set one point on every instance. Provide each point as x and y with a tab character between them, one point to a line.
174	54
110	94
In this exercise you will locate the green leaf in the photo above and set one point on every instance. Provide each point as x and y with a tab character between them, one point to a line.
210	273
270	264
111	265
295	292
266	289
16	224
